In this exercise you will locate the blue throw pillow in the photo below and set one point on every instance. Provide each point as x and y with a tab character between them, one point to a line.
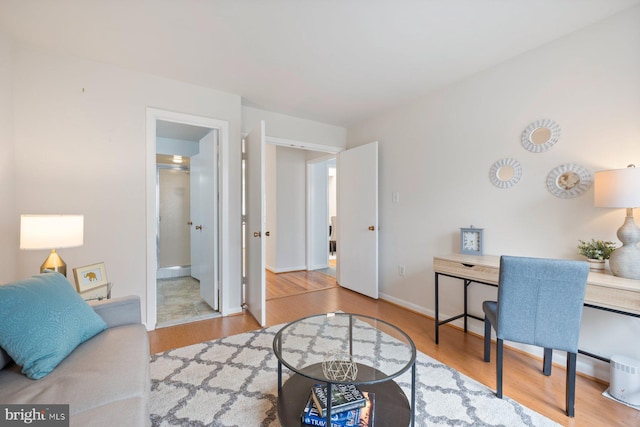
42	320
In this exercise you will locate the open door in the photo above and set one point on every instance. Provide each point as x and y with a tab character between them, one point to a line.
357	228
255	289
204	218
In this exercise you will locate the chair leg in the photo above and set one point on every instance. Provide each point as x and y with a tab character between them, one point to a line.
499	368
571	383
548	357
487	340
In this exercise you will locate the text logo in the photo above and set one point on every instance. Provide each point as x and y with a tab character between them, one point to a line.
34	415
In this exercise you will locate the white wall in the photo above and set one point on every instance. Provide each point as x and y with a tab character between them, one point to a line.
9	219
437	152
317	215
80	148
286	206
293	128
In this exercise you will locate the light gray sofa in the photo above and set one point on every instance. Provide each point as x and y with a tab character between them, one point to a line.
105	380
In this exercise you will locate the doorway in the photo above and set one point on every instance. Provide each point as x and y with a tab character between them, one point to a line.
184	233
299	209
358	240
185	287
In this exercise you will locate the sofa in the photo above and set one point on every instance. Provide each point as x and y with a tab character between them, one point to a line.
104	379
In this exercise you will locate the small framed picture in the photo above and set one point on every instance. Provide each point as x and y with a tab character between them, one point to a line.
90	277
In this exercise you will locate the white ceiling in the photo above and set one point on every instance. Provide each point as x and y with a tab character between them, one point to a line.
334	61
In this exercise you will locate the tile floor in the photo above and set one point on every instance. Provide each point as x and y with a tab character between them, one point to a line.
179	302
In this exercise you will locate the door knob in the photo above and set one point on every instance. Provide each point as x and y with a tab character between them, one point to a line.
190	223
268	233
198	227
257	234
372	228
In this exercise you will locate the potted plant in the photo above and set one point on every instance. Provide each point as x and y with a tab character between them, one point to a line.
597	251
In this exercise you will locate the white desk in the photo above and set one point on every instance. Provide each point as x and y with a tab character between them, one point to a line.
604	291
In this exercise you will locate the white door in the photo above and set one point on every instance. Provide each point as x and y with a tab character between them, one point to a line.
204	218
174	215
357	221
255	292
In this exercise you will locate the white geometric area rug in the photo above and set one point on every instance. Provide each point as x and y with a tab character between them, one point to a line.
232	381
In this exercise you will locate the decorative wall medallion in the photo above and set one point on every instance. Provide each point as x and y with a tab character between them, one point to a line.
540	135
569	180
505	173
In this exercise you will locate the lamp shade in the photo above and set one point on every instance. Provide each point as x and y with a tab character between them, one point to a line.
51	231
618	188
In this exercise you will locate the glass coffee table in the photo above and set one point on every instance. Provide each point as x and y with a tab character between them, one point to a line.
377	350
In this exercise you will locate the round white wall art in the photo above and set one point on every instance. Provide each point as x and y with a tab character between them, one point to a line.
505	173
540	135
569	180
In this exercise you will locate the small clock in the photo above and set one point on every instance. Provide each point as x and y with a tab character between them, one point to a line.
471	241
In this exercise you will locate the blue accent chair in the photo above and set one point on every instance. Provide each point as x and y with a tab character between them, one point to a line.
539	303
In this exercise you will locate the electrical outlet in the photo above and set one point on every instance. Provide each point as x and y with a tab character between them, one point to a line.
401	270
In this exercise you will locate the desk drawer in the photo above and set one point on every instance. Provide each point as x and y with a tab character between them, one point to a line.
480	273
617	299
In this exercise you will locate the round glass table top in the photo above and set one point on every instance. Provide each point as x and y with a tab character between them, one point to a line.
344	348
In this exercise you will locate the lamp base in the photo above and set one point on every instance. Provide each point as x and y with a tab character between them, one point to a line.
55	263
625	261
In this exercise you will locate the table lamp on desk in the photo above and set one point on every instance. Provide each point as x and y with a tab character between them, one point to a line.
51	232
620	188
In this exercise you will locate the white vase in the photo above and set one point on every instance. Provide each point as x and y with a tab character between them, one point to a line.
596	265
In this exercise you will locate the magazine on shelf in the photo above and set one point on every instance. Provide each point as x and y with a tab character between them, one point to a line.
343	398
311	417
362	417
366	415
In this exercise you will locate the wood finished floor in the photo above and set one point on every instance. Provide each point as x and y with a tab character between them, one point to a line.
523	379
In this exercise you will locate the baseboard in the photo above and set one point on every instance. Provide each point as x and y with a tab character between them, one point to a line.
408	305
285	270
173	272
586	366
318	267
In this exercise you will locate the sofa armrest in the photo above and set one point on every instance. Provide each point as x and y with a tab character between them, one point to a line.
119	311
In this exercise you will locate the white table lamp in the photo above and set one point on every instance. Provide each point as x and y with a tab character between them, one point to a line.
620	188
51	232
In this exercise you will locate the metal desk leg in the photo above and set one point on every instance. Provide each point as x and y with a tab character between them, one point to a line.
436	314
466	286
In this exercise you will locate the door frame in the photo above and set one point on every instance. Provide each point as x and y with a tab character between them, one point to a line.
152	116
332	152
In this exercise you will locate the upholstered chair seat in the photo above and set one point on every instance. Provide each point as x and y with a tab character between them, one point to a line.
539	303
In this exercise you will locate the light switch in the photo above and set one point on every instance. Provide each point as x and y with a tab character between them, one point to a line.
395	197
